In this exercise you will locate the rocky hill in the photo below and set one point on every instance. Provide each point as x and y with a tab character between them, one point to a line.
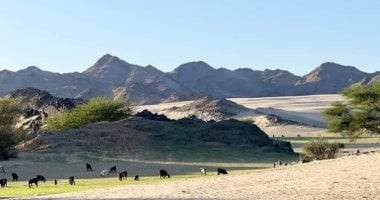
111	76
39	105
140	138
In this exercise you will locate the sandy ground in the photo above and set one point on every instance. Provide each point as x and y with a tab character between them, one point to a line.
352	177
303	109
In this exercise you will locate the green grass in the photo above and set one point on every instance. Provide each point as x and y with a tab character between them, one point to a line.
20	189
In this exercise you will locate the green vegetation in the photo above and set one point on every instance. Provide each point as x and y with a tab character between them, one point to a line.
321	149
10	111
359	115
95	110
20	189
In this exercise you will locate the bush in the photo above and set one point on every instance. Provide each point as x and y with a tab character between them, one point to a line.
10	111
7	143
95	110
321	149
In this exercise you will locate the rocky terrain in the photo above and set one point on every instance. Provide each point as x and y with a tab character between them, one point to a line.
111	76
39	105
141	137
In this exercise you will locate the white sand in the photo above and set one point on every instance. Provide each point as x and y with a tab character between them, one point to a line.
354	177
302	109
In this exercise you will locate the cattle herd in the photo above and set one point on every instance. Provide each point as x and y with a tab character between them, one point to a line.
103	173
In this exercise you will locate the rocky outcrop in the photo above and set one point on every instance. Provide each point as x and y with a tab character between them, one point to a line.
39	105
146	114
138	136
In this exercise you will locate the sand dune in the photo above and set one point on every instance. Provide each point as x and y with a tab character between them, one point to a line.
353	177
305	110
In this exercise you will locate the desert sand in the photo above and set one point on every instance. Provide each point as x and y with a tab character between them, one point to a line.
351	177
306	110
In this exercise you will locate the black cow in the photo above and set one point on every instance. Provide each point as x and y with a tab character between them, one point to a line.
137	177
55	182
164	174
41	178
3	182
121	176
113	169
31	181
71	180
14	177
88	167
222	171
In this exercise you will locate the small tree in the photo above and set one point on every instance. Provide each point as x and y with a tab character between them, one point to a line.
95	110
7	143
10	111
359	115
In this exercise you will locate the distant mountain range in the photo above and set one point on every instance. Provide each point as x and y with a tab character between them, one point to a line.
111	76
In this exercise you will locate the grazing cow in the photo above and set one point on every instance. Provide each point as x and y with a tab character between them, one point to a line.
14	177
71	180
31	181
41	178
2	170
203	171
3	182
88	167
222	171
164	174
137	177
104	172
113	169
55	182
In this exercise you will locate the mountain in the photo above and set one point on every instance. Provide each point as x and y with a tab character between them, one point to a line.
331	78
64	85
113	77
141	85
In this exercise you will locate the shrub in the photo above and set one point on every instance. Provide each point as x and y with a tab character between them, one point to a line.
95	110
321	149
10	111
7	143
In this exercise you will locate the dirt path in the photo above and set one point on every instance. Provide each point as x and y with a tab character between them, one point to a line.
354	177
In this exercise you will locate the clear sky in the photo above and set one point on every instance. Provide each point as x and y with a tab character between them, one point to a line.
296	35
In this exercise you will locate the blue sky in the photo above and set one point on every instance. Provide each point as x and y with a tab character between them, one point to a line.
297	35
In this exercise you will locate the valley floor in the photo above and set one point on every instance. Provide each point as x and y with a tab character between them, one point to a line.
351	177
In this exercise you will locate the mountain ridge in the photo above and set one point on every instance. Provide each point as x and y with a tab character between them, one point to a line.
113	77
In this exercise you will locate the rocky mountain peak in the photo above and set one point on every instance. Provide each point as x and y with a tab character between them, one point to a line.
194	67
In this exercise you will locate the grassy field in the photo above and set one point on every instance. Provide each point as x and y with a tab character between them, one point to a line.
20	189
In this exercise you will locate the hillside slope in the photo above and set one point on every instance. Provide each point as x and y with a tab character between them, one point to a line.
139	138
